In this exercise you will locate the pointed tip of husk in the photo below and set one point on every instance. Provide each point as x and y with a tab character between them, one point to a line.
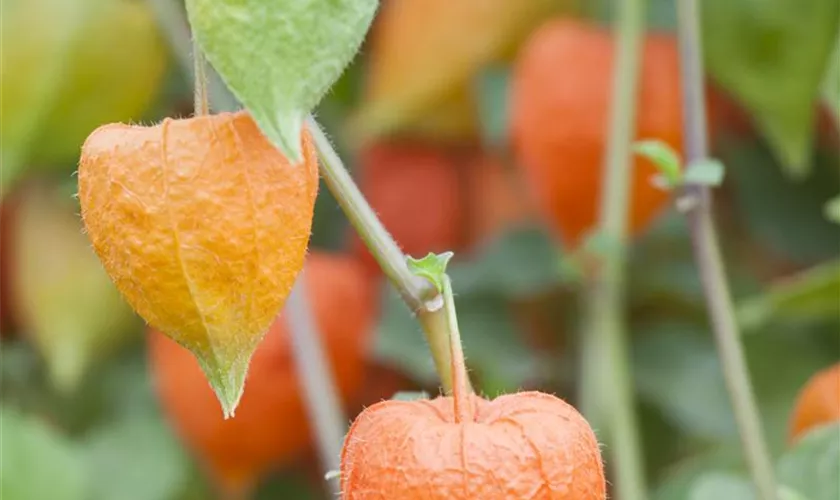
227	379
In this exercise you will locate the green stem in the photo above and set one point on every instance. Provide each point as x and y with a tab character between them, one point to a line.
710	263
607	387
418	293
461	389
201	106
173	23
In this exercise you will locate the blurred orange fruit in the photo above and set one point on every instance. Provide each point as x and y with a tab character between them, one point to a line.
560	109
818	402
203	226
415	190
271	427
424	55
497	199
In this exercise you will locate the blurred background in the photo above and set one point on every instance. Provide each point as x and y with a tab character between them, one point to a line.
476	126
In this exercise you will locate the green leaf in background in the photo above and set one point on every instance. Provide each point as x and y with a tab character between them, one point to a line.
492	92
68	67
279	57
811	295
772	56
38	462
787	218
66	302
519	262
135	458
831	82
832	208
812	467
678	480
718	485
678	370
493	345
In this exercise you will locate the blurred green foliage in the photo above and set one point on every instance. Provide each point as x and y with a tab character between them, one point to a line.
105	437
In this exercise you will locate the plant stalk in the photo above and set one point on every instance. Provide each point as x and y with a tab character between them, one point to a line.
607	386
316	377
710	262
418	293
461	391
201	106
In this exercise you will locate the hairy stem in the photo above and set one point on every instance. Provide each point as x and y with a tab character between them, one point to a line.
607	387
460	379
710	263
173	24
420	295
201	106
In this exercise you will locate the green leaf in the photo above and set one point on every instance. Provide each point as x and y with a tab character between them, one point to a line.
796	229
37	462
677	369
136	458
719	485
431	267
831	82
832	208
811	467
772	56
708	172
279	57
519	262
664	157
810	295
492	91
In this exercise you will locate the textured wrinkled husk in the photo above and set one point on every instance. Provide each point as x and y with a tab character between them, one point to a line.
203	226
817	404
528	445
560	110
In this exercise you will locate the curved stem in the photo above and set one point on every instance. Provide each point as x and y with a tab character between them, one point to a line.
461	388
607	389
710	263
420	295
